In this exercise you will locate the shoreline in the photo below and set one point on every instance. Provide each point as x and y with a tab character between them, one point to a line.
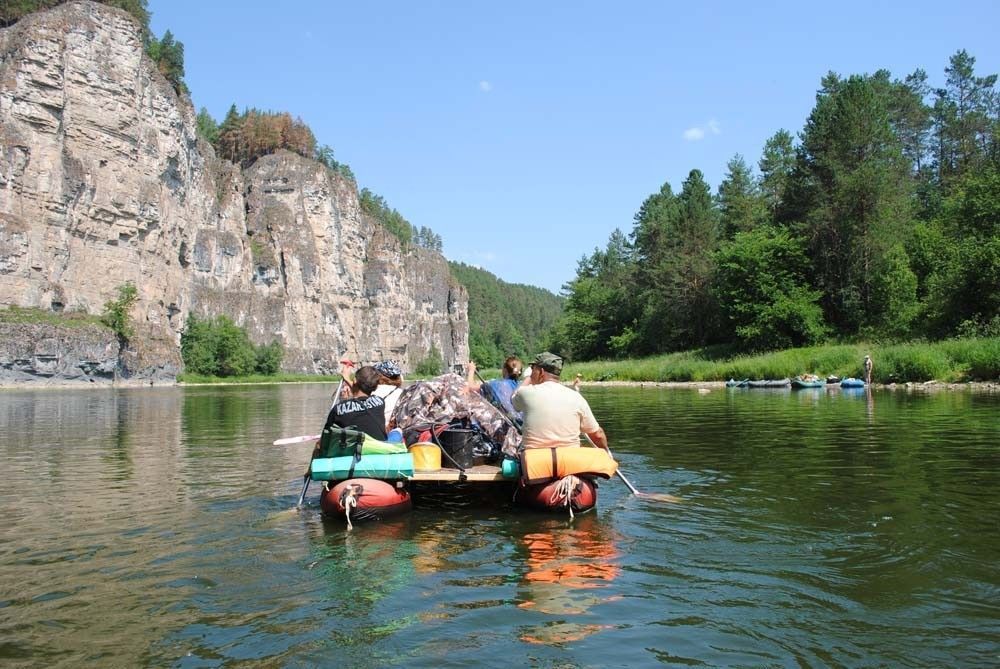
924	386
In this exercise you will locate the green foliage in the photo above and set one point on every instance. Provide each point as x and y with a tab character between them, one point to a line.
761	286
375	206
913	362
13	10
324	154
948	361
116	312
853	187
218	347
207	127
505	319
741	205
432	365
168	54
72	319
888	212
269	357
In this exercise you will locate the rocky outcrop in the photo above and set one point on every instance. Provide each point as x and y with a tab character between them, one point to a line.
32	352
103	180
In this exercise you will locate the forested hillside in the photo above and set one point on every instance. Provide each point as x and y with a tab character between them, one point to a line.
881	220
505	318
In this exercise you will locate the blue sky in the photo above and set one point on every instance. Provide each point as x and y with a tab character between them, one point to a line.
524	133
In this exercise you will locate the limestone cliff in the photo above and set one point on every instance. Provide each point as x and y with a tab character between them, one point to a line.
103	179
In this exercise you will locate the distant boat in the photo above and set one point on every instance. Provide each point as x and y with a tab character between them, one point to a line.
800	382
733	383
769	383
852	383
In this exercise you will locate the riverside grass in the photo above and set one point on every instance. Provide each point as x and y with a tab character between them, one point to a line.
950	361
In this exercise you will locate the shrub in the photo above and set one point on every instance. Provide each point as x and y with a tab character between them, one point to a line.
218	347
116	312
432	364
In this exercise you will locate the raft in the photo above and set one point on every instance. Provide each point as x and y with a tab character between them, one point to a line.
852	383
770	383
372	486
364	499
377	466
574	493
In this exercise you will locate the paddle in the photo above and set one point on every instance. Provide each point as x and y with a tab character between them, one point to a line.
305	477
660	497
286	441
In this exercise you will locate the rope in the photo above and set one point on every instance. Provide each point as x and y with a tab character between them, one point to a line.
349	500
562	493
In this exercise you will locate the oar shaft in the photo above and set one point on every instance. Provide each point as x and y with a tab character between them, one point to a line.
305	486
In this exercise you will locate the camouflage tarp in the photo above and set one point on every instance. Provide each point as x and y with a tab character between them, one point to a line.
447	398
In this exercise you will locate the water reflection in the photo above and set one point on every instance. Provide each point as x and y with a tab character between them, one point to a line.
567	572
154	527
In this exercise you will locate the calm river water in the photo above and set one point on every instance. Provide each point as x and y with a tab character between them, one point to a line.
154	527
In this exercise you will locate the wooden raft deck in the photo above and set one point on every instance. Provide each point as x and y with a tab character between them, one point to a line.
477	474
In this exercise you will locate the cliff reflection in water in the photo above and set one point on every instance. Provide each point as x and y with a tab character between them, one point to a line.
567	569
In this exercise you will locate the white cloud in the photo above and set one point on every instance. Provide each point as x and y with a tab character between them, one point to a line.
694	134
698	132
485	86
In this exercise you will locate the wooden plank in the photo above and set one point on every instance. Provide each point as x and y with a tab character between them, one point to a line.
479	473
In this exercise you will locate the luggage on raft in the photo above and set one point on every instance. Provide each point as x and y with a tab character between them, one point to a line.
539	465
575	493
362	499
462	447
387	466
337	442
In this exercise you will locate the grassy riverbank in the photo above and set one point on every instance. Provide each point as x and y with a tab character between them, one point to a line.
951	361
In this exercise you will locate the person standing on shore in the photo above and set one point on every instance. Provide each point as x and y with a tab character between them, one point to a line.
868	370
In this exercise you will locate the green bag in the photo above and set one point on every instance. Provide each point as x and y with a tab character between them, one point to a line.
336	442
339	441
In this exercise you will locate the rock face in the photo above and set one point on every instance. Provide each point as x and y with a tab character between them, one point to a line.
103	180
33	352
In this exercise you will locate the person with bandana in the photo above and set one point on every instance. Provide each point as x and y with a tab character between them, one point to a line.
390	387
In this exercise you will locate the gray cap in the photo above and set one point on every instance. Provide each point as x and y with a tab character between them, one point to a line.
550	362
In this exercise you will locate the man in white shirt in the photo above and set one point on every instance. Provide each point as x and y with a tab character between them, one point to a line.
554	415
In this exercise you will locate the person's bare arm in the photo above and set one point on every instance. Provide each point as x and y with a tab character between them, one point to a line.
470	376
598	438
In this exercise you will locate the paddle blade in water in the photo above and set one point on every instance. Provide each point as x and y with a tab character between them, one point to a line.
660	497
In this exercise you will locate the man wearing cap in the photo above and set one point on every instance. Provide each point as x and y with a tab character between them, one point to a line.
554	415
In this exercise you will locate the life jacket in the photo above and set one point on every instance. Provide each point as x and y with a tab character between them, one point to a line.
539	465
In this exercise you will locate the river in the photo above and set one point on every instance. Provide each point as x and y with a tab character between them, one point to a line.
818	528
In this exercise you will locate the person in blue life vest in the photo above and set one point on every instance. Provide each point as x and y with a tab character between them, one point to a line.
554	414
499	390
358	407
